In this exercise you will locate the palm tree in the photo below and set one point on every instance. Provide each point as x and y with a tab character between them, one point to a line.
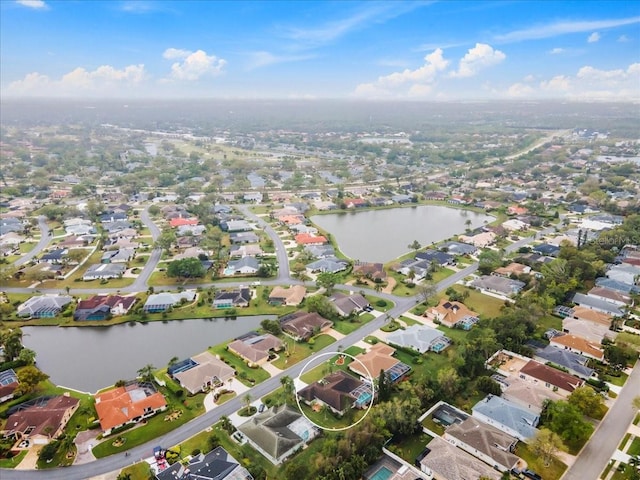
247	401
146	372
287	385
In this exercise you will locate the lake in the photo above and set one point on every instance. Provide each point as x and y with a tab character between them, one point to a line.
382	235
91	358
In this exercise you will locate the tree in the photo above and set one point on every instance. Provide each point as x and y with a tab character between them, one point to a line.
415	246
588	401
166	240
11	339
49	451
146	373
247	401
546	444
287	385
29	378
327	281
449	381
271	326
321	305
488	261
489	385
186	268
27	356
427	291
384	386
567	421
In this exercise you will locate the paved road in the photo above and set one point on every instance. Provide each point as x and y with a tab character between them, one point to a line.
42	244
596	454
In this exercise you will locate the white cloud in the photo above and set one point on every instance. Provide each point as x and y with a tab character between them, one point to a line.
623	39
518	90
563	28
557	51
559	83
593	38
477	58
194	65
103	80
264	59
35	4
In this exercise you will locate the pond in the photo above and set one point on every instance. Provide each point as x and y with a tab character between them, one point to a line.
382	235
91	358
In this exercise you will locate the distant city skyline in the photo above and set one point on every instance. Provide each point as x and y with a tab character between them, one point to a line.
400	50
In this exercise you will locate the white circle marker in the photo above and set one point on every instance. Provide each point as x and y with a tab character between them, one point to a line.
299	380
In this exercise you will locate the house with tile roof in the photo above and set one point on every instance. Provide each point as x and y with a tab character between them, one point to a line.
500	285
507	417
529	395
43	306
442	460
255	349
131	403
348	304
291	296
420	338
578	345
278	432
100	307
202	372
307	239
242	266
180	222
512	269
379	358
488	443
339	391
452	314
42	419
372	270
551	378
303	325
591	325
8	384
218	464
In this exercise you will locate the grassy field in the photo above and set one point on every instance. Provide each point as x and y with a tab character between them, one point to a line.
552	472
634	448
298	351
484	305
13	461
346	326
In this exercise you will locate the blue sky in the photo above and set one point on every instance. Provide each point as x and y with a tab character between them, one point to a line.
429	50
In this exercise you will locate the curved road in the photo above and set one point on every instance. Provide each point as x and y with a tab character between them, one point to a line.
41	245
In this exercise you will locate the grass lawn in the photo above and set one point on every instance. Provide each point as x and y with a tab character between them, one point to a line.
225	397
623	472
327	419
298	351
441	274
552	472
244	373
139	471
409	321
618	381
13	461
433	426
456	334
325	368
634	448
373	302
346	326
410	447
484	305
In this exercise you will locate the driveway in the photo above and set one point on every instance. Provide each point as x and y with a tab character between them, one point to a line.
84	442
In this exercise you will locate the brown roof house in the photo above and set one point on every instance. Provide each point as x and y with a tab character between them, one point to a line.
452	314
550	377
374	271
303	325
255	349
42	419
202	372
291	296
129	404
379	357
579	345
339	391
485	442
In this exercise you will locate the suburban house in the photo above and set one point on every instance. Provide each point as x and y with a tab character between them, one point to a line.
507	417
617	285
303	325
374	271
291	296
218	464
480	240
612	296
236	226
575	363
589	324
55	257
550	377
255	349
243	237
104	271
339	391
500	285
485	442
597	304
529	395
8	384
307	239
201	372
43	306
578	345
512	269
547	249
459	248
347	304
240	297
441	459
420	338
181	222
42	419
327	265
436	257
128	404
245	251
278	432
100	307
243	266
379	358
453	314
320	251
161	302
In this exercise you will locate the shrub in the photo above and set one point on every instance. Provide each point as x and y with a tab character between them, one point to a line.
195	452
381	303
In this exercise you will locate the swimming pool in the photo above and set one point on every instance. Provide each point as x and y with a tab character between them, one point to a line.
383	474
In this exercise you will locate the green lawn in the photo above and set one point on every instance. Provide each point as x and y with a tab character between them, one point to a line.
244	373
535	463
433	426
325	368
618	381
634	448
328	419
346	327
225	397
410	447
298	351
139	471
484	305
409	321
13	461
